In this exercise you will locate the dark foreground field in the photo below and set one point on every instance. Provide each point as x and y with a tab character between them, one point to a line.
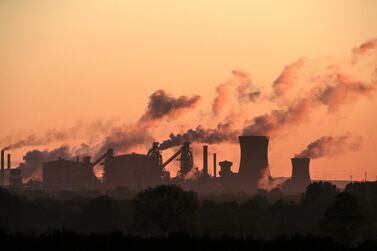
64	240
322	218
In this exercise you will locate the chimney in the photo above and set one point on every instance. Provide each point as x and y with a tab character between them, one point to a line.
205	160
2	169
300	172
214	165
8	163
254	158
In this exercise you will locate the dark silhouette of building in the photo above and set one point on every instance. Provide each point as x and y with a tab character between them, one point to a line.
65	174
136	171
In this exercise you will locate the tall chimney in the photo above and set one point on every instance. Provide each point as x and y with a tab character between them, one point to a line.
300	173
8	161
254	159
205	160
2	168
214	165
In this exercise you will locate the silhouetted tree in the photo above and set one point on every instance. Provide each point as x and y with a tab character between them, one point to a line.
164	209
344	220
321	194
101	214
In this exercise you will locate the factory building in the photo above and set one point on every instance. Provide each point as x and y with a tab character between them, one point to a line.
65	174
136	171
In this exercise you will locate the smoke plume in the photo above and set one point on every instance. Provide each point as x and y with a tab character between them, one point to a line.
238	89
331	146
91	131
202	135
124	139
273	123
287	77
365	47
163	105
31	166
341	89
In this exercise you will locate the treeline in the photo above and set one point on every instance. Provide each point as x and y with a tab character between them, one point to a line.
348	217
65	240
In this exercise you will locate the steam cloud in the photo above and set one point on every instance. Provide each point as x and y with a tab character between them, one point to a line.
202	135
274	122
337	89
331	146
364	47
31	166
239	86
287	77
163	105
124	139
92	130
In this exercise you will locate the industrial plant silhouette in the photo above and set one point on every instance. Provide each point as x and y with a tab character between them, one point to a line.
140	171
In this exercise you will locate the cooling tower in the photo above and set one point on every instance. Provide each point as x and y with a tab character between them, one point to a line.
254	159
300	172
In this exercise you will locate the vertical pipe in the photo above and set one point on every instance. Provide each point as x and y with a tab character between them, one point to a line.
8	161
214	165
205	160
2	168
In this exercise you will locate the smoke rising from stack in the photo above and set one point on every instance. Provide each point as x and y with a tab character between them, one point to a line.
31	166
365	47
163	105
287	77
202	135
124	139
238	89
331	146
92	131
341	89
274	122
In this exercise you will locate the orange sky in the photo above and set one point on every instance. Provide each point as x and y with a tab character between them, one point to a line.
68	61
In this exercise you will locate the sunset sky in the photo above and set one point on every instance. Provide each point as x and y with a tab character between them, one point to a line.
92	66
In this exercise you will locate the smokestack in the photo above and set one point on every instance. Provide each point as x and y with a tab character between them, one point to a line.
254	159
214	165
8	161
2	168
300	172
205	160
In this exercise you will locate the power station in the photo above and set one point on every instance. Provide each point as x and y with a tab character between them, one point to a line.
139	171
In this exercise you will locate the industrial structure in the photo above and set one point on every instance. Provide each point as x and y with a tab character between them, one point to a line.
300	178
139	171
13	175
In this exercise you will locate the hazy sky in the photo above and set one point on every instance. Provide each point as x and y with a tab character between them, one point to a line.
67	61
